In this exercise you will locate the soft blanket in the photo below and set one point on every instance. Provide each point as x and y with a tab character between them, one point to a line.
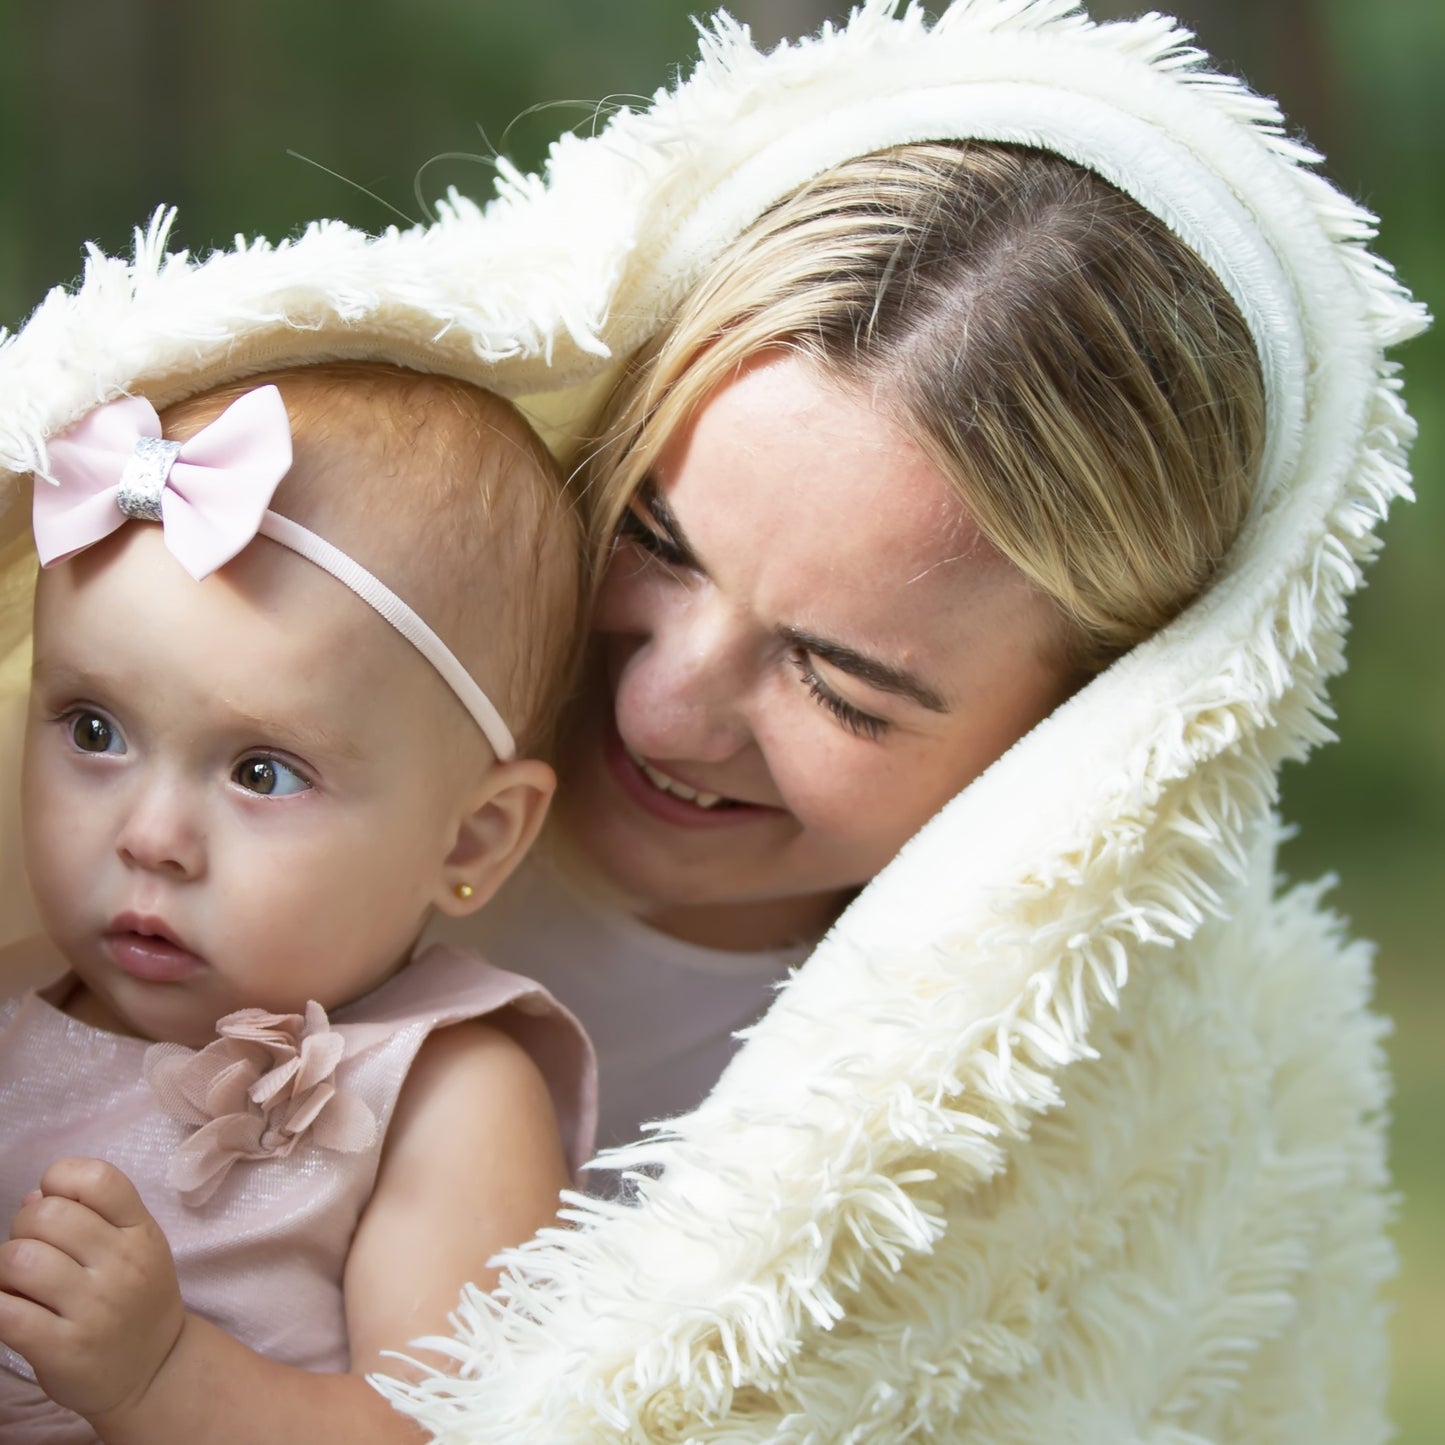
1072	1128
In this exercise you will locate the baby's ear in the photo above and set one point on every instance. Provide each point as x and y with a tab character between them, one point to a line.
504	819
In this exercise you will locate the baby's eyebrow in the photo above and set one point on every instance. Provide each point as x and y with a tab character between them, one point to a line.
308	738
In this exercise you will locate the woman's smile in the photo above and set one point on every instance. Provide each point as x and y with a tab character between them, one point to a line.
676	788
670	800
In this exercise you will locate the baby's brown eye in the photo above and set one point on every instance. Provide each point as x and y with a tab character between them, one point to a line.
269	777
91	733
257	776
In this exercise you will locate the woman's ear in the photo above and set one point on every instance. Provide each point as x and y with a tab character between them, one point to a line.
493	836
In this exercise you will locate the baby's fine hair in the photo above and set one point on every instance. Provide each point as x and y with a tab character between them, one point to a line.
1073	369
440	489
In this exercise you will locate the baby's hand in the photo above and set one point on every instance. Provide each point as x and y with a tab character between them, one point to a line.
89	1288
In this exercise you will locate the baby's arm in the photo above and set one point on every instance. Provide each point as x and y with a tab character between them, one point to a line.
472	1163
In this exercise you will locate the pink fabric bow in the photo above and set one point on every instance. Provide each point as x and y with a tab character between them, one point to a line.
209	493
267	1082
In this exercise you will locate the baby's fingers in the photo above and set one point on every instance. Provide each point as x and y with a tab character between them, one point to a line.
30	1329
99	1186
64	1224
37	1272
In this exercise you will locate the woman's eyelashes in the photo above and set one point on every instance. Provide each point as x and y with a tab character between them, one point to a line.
640	527
859	723
268	776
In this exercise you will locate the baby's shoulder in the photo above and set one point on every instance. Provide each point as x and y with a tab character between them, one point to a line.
471	1055
473	1093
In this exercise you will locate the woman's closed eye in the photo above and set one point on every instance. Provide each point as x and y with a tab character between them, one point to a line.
859	723
639	527
268	776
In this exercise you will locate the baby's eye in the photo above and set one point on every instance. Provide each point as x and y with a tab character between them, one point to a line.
92	733
269	777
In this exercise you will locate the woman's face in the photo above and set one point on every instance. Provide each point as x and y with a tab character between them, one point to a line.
804	648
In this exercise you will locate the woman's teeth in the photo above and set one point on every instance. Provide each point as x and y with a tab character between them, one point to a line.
665	784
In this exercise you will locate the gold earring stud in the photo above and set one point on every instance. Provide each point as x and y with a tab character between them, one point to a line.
463	890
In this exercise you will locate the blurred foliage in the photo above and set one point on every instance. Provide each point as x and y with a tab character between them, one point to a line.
109	108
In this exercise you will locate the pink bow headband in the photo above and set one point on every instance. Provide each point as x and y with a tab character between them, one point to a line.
212	495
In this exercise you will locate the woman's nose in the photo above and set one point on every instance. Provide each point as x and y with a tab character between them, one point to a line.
682	682
161	832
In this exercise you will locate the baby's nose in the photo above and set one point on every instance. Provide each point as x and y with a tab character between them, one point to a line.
161	832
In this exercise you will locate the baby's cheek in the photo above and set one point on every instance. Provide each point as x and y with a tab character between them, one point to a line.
57	856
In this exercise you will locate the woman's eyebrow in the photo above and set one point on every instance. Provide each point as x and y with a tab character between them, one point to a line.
868	669
846	659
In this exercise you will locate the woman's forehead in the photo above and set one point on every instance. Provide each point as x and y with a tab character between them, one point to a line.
810	501
784	446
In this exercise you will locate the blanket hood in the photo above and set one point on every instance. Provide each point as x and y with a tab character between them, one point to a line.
1071	1128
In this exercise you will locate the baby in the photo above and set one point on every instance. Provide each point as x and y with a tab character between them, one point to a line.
272	1137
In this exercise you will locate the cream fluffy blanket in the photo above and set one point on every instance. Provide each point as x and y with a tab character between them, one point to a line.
1072	1129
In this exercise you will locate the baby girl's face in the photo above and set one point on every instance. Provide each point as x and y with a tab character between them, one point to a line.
237	792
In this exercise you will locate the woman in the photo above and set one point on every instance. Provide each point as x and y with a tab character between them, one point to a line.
1067	1129
943	434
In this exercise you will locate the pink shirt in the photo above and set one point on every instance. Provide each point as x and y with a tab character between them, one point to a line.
264	1256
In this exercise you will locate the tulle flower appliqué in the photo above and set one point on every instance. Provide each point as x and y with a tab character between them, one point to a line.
265	1084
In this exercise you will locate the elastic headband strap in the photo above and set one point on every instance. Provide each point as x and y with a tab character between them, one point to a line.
378	596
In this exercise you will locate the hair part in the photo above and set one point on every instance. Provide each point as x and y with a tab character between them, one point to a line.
443	491
1072	368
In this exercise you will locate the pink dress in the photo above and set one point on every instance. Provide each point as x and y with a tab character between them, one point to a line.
263	1255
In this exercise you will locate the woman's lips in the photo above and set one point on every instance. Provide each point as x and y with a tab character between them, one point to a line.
669	799
147	951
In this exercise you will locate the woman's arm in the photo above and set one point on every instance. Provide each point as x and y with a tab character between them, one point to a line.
472	1163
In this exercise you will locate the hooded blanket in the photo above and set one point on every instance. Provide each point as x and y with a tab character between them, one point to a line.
1071	1130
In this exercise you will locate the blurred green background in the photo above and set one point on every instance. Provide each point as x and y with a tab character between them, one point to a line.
255	117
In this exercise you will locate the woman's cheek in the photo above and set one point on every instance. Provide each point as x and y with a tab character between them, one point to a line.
822	774
874	793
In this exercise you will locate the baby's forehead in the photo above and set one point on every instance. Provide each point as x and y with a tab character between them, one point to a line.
270	649
444	492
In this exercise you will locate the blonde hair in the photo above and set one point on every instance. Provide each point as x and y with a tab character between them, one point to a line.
1075	371
457	506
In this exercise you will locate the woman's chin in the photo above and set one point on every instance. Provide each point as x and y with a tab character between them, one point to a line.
706	891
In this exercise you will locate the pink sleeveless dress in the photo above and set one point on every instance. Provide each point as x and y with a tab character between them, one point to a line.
263	1255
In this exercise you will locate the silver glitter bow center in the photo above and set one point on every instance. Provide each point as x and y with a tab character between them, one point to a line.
143	479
